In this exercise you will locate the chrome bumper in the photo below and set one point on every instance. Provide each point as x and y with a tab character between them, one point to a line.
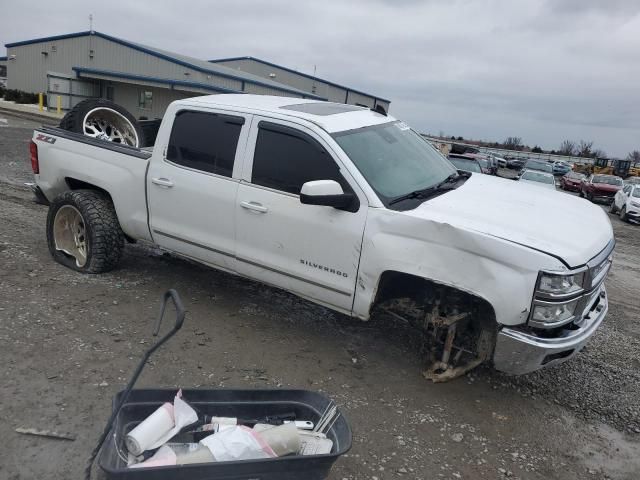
518	352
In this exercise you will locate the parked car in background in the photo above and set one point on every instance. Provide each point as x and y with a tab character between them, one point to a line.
465	162
488	166
627	203
539	165
571	181
632	181
515	163
502	163
536	177
560	168
600	187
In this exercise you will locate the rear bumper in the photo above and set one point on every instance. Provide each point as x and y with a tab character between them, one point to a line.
518	352
39	195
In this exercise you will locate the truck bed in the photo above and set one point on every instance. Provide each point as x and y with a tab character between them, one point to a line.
70	160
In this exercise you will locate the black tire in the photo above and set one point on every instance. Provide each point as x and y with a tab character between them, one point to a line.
581	194
73	121
623	213
612	208
103	236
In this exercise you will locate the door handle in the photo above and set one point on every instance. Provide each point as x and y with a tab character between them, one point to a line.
255	206
163	182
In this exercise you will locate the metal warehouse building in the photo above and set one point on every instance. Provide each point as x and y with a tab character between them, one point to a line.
145	79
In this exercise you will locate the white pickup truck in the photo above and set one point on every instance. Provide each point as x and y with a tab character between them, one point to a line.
346	207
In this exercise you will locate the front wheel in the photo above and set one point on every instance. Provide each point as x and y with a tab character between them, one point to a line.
623	213
612	208
83	232
581	194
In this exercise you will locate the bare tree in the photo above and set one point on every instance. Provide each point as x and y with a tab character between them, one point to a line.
513	143
599	153
567	147
634	156
584	149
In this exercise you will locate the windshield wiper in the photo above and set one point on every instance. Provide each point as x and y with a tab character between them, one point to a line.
448	183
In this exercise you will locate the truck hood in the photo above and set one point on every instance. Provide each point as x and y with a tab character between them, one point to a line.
556	223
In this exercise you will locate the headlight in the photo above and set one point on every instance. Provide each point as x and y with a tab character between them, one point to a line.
559	285
635	204
556	313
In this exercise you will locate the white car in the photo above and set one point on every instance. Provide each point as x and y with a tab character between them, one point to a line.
541	179
627	203
502	163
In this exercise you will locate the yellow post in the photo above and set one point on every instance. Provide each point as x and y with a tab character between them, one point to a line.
59	100
40	102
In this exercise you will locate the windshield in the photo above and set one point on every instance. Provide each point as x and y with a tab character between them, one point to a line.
537	177
465	164
607	180
394	159
536	165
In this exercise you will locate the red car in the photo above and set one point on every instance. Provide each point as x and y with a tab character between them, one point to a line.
571	181
600	187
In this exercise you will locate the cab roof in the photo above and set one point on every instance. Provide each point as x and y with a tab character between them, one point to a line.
332	117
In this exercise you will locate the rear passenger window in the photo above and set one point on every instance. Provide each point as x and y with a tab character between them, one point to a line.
205	141
285	158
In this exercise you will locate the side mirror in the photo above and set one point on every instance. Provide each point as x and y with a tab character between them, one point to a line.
327	193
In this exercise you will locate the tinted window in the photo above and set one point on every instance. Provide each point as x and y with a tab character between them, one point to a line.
636	192
286	158
205	141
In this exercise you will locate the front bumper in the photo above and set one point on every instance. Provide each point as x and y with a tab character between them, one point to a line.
518	351
633	214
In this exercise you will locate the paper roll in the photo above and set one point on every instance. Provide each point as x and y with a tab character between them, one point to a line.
152	428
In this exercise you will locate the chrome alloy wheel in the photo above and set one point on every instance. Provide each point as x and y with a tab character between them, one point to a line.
69	234
107	124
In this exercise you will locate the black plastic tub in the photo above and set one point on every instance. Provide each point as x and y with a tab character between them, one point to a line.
307	405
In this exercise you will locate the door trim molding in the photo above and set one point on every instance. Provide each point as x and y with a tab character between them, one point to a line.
255	264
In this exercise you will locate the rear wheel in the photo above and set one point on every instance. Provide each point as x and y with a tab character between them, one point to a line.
83	232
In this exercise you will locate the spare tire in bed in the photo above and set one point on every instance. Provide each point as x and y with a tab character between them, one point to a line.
105	120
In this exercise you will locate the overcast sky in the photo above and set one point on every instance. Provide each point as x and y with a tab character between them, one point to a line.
544	70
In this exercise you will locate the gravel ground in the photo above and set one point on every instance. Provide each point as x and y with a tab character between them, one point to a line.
68	343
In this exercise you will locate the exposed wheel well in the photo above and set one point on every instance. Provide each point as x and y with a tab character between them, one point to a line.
75	184
458	328
394	284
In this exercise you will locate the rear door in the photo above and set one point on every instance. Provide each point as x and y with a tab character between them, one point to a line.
192	189
311	250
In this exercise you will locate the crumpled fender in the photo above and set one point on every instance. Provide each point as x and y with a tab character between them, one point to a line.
501	272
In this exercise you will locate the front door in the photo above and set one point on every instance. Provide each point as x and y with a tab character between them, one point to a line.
192	189
313	251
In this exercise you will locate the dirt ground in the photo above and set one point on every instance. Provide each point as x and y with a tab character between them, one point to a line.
68	343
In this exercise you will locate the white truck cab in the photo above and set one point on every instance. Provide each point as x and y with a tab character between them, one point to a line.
348	208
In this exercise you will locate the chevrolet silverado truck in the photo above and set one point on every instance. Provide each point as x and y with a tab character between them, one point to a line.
346	207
